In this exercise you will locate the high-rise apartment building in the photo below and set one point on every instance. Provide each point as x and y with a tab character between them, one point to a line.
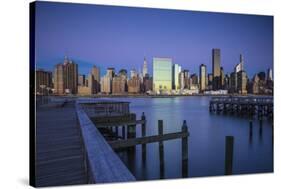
118	85
66	77
269	74
175	76
242	82
43	81
216	68
81	80
202	77
144	68
134	85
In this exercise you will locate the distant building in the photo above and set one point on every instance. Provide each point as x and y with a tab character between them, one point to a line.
134	85
147	84
175	76
242	82
194	81
182	80
202	77
144	68
210	81
186	79
96	73
233	82
43	81
262	76
162	74
106	81
216	68
222	78
81	80
66	77
133	73
226	82
240	66
106	84
269	74
123	73
254	85
118	85
94	83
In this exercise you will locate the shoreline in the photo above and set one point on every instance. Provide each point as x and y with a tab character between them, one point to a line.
154	96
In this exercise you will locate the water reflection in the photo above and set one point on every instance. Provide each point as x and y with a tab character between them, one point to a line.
253	147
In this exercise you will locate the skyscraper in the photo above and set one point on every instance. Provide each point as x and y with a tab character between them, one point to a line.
162	74
81	80
222	79
202	75
118	85
43	81
216	68
95	81
144	68
240	66
106	81
181	80
175	76
242	82
210	81
96	73
269	74
66	77
134	85
133	73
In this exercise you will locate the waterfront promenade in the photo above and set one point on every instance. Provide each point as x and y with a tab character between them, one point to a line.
59	147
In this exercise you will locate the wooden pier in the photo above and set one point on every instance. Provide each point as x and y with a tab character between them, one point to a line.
109	116
59	151
250	106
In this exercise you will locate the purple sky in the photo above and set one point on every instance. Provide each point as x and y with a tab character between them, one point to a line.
120	37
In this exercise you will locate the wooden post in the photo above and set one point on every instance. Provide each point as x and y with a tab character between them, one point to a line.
184	146
143	133
251	128
161	150
116	131
131	132
123	132
131	129
260	130
229	140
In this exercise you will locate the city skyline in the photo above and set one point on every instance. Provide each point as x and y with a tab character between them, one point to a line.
186	37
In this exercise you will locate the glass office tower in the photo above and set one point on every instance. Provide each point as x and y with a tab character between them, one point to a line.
162	74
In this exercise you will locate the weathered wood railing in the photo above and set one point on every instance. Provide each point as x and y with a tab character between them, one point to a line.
103	164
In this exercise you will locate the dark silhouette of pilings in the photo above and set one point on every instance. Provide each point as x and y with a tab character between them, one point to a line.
143	133
124	132
261	126
161	150
131	129
251	128
184	144
229	140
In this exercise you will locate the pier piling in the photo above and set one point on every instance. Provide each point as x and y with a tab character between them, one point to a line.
161	150
123	132
251	128
143	133
184	145
261	127
229	140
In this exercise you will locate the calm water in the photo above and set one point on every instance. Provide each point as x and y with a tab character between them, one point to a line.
206	141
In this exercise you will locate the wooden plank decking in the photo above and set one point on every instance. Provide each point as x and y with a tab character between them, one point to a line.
59	147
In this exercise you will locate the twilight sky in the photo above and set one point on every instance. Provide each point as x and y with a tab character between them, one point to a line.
121	37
